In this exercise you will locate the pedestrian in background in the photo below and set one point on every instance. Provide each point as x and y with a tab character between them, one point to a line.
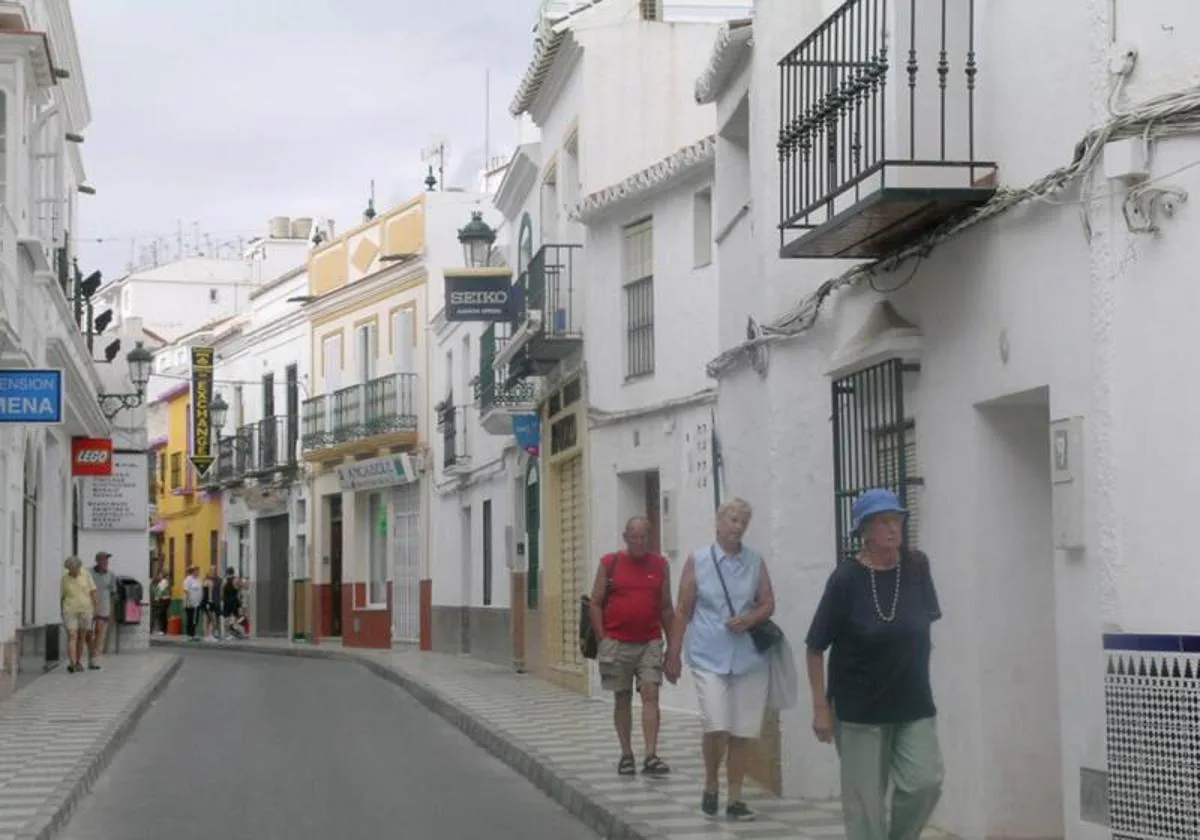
630	610
732	678
875	617
193	596
160	600
77	594
210	607
106	595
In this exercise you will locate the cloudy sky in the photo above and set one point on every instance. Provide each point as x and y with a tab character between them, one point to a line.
216	115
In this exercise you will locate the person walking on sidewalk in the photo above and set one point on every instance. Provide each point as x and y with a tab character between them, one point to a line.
875	616
160	594
106	594
193	596
78	597
630	609
732	678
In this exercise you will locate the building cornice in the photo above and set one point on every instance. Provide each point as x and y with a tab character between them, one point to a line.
545	47
343	299
652	180
734	41
518	181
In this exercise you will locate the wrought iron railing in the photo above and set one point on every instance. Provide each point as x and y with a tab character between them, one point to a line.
493	389
384	405
225	459
275	443
548	285
316	431
879	85
244	451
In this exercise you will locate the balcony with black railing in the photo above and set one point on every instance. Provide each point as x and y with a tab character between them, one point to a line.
548	327
383	407
497	395
877	143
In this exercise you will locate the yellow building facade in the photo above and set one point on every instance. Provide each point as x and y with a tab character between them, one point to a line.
363	426
191	518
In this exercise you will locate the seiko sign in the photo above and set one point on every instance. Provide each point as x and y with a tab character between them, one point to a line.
478	297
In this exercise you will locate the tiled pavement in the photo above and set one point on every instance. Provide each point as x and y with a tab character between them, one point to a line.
564	743
59	733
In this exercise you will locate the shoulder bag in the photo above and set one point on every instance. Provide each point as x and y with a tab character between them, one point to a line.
589	645
766	634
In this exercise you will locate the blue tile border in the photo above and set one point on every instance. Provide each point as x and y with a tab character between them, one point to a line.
1152	642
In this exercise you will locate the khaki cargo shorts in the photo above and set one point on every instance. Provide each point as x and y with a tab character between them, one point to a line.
621	662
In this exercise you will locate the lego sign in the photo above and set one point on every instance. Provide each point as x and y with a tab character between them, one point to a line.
91	456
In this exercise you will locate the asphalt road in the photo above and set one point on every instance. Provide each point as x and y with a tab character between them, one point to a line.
264	747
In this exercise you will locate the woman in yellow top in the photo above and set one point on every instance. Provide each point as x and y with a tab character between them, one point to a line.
78	608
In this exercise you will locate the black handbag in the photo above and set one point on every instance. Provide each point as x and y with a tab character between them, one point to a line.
589	646
766	634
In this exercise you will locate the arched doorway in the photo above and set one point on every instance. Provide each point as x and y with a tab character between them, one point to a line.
533	525
29	531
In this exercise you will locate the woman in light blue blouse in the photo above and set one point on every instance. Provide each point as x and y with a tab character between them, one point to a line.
724	591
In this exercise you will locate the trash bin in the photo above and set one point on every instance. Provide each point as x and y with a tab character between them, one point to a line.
129	601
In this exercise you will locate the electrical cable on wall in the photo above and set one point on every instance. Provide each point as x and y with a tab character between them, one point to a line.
1166	115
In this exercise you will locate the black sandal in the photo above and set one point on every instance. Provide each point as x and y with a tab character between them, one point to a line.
627	766
655	766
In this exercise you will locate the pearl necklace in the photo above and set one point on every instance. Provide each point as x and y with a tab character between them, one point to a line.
895	595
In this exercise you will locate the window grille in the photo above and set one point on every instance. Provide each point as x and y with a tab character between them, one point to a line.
874	445
639	299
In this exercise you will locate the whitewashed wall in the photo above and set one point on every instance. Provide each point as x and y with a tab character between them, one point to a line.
1024	320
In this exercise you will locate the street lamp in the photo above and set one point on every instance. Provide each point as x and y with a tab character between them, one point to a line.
477	238
140	359
216	412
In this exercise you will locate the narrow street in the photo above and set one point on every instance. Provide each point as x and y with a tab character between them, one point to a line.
274	747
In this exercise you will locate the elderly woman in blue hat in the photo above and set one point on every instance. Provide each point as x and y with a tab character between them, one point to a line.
875	618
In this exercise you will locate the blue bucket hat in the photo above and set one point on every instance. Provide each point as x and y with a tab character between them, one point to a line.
877	500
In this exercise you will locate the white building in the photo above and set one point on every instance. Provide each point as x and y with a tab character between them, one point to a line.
598	300
477	480
178	296
369	425
262	373
45	109
1016	378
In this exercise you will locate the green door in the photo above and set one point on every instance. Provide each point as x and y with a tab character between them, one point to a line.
533	524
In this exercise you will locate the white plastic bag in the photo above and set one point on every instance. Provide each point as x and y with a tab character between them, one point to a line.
784	685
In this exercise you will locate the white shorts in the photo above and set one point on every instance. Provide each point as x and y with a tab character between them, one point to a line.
733	704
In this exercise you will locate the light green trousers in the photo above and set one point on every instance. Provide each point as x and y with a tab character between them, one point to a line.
904	755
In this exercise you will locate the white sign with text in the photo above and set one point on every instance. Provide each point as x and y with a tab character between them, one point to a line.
119	502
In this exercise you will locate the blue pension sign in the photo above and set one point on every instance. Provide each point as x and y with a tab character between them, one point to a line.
478	297
31	396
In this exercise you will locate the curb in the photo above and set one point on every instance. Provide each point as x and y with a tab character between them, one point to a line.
575	795
57	811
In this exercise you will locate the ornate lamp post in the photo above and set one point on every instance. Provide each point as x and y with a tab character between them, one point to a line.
477	238
140	359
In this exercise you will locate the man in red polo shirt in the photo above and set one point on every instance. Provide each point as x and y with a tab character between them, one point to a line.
631	606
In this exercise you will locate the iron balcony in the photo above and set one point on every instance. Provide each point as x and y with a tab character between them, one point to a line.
496	395
548	327
383	406
877	129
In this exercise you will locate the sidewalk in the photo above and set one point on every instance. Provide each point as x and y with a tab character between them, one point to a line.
565	745
58	734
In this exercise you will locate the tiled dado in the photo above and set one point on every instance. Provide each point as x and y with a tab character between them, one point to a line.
1151	643
1152	711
